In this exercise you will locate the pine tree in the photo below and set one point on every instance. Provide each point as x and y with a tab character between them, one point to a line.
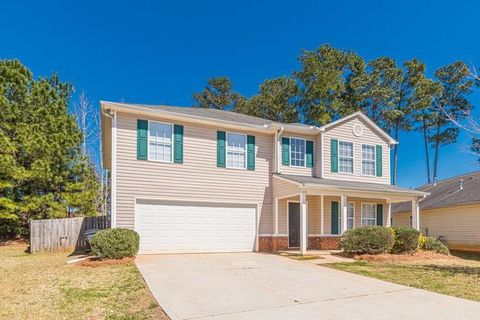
218	94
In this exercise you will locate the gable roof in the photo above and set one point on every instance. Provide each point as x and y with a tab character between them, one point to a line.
215	115
362	116
447	193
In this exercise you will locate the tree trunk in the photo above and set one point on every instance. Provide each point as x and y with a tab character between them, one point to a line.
437	146
395	156
425	141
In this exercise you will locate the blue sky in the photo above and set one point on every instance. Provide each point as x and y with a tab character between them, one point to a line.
163	51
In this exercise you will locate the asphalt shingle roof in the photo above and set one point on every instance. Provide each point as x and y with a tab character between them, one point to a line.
447	193
354	185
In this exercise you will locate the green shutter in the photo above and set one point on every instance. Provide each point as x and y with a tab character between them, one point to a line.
380	214
251	152
221	149
309	149
335	217
142	143
178	143
334	155
285	151
379	161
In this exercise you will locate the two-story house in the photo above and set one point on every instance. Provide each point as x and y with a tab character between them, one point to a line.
202	180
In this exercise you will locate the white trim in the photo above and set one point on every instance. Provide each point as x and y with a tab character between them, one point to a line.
389	214
322	156
226	150
148	142
322	213
364	117
374	160
361	213
290	152
303	222
353	158
113	173
275	222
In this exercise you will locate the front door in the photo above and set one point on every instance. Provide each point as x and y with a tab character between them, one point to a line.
293	224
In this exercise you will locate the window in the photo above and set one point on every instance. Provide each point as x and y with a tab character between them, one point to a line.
368	214
368	160
350	215
297	152
236	152
345	157
160	141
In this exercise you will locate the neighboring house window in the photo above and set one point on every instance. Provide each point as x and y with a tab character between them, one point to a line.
297	152
345	157
350	215
160	141
368	160
368	214
236	151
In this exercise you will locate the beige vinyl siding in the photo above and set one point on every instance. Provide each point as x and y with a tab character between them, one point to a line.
344	132
402	219
314	212
305	171
197	179
458	225
317	149
282	188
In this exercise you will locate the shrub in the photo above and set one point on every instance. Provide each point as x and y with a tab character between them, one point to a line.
421	241
115	243
433	244
369	239
406	239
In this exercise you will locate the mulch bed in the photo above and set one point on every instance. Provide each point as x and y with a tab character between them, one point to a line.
416	256
96	262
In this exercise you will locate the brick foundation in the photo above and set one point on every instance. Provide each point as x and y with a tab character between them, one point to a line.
269	244
324	243
272	244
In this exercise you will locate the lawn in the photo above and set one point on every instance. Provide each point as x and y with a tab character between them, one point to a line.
44	286
457	276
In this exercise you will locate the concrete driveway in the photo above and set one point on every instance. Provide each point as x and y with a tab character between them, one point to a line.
265	286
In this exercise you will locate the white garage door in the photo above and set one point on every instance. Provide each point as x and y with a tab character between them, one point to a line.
165	228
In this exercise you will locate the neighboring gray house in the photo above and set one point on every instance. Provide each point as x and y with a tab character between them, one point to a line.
451	211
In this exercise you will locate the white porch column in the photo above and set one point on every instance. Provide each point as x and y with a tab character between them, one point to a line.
415	214
321	215
389	214
303	222
275	222
343	213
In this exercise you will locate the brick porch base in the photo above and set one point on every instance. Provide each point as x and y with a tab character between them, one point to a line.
272	243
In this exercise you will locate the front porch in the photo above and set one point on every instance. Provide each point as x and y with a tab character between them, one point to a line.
312	213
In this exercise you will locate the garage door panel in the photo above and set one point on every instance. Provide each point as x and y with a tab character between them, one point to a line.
189	228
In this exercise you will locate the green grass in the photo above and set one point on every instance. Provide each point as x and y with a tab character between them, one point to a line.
456	277
43	286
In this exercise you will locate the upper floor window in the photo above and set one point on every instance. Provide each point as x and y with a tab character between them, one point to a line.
297	152
368	214
368	160
345	157
236	150
160	141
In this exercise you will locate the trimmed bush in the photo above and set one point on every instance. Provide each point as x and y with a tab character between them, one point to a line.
406	239
115	243
433	244
369	239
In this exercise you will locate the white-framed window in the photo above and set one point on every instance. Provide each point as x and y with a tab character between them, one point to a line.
236	150
350	215
160	140
297	152
345	157
369	214
368	160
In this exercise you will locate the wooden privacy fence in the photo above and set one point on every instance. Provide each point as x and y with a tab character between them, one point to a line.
63	234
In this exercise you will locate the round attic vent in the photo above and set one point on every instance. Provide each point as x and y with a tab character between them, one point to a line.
357	130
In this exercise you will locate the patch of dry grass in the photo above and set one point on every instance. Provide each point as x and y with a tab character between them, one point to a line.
44	286
452	275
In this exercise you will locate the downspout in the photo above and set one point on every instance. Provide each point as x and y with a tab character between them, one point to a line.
278	134
112	114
